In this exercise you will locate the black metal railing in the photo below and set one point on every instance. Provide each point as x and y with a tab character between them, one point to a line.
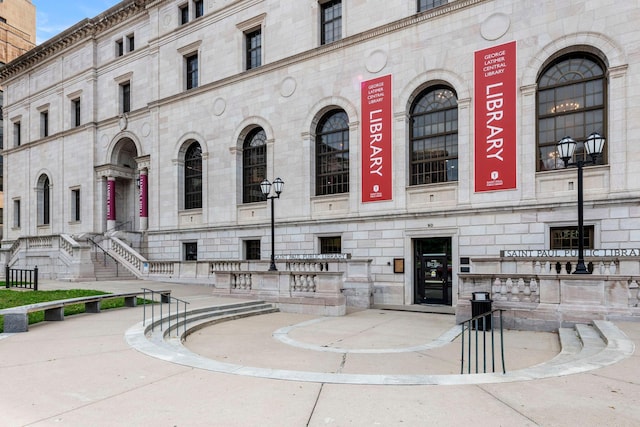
100	252
477	329
21	278
164	298
124	225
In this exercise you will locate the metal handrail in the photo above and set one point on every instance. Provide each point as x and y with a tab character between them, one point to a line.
105	255
165	298
119	226
479	324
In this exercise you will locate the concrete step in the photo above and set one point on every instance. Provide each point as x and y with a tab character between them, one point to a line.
108	269
174	323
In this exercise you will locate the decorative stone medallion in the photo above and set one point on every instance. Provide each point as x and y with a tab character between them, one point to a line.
495	26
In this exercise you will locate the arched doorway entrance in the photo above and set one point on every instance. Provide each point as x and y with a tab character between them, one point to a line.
123	187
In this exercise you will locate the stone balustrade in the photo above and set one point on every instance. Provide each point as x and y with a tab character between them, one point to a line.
323	286
523	289
241	281
40	242
67	244
609	265
161	268
215	266
550	301
603	267
302	282
127	254
307	265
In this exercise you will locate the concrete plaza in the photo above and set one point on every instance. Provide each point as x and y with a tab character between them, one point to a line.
82	372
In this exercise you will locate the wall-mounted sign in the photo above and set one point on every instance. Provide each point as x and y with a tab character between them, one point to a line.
495	118
398	265
572	253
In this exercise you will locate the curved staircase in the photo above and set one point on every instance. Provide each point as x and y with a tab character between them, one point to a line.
584	348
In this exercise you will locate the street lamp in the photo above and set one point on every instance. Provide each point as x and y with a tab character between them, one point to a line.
265	187
593	146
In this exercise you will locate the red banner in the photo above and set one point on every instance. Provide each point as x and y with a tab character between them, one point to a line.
377	169
495	118
111	199
144	212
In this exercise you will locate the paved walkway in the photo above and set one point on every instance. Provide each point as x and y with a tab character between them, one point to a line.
83	372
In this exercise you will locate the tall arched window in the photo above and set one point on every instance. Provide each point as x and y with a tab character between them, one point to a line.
434	136
193	177
332	153
254	165
44	200
571	102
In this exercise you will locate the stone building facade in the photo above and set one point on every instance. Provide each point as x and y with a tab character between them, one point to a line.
158	120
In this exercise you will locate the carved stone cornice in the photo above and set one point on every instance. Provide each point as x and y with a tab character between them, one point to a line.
86	29
91	27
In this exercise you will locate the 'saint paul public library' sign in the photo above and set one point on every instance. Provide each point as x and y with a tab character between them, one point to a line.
557	253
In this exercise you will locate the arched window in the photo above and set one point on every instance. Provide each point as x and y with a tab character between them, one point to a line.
254	165
193	177
332	153
44	200
571	102
434	136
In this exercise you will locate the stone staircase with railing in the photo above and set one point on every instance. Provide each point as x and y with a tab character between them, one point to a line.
107	268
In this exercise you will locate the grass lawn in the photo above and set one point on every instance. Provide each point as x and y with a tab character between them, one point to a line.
14	298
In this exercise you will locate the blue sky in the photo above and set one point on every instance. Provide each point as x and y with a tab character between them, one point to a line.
55	16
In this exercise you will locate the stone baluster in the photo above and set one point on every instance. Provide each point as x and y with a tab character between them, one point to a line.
599	267
526	292
495	288
537	267
634	294
513	290
563	268
503	290
533	286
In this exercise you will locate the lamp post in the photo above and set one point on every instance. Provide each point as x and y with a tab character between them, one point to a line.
265	187
593	146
